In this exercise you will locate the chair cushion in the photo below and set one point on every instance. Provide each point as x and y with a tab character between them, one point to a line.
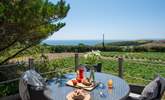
162	89
33	78
30	77
151	91
134	96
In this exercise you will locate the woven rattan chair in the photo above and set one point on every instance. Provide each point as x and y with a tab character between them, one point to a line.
33	87
136	90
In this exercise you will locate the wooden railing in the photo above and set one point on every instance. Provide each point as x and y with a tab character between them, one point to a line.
30	66
11	80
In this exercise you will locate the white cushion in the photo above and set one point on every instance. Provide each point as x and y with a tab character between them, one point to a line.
151	90
134	95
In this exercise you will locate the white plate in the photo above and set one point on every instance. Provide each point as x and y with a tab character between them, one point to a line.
70	95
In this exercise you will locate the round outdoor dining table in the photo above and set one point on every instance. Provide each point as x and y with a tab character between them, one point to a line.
119	91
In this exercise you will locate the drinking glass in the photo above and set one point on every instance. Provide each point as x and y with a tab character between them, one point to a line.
81	73
110	84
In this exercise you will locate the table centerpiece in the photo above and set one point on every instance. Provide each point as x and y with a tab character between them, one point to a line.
91	59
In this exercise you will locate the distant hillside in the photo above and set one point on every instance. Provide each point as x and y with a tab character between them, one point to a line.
147	43
155	43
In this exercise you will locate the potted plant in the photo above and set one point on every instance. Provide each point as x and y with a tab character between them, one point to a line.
91	59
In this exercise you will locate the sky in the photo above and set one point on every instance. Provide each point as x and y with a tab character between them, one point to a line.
116	19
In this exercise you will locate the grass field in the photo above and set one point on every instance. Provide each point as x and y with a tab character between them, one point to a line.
139	68
151	56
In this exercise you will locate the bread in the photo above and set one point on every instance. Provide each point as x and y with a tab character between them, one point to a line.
86	82
78	95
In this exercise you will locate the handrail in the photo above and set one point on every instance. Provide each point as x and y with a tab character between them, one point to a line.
9	81
16	79
9	65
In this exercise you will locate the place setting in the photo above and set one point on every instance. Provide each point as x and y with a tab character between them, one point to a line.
84	84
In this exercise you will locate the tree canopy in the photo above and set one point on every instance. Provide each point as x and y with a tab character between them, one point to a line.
25	23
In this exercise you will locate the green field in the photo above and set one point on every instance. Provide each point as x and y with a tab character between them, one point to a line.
152	56
139	68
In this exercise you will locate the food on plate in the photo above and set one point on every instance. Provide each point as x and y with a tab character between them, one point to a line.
74	82
86	82
78	95
78	80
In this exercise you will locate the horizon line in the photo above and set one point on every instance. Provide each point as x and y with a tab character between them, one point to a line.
105	39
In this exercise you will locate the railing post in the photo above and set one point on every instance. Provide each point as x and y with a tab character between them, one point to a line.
76	60
120	69
31	63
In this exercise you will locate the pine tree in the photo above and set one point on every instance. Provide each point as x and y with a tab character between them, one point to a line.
25	23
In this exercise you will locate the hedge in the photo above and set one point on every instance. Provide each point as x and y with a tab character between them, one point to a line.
86	48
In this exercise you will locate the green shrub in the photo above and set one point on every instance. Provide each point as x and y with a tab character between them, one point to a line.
9	88
86	48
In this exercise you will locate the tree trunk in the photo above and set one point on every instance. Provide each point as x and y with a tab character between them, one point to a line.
2	49
15	54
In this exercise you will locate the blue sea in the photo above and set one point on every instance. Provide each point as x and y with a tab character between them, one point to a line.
75	42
